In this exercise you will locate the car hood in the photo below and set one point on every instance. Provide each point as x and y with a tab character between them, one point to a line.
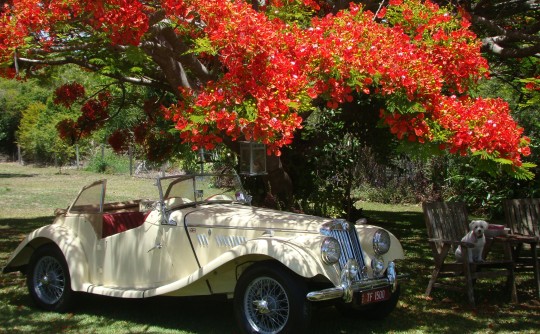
240	216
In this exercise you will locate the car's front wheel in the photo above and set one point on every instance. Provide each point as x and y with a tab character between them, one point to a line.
269	298
48	279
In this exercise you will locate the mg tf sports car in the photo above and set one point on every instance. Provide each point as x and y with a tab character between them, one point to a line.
202	237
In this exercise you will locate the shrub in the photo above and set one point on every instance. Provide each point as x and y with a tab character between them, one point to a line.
108	163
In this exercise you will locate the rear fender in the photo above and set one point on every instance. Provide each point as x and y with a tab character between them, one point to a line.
66	241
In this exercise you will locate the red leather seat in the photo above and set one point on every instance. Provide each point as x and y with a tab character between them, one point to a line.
119	222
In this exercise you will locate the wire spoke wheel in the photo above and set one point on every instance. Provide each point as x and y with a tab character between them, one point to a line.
271	299
49	280
266	305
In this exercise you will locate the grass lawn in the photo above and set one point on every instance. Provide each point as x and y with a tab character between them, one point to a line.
28	196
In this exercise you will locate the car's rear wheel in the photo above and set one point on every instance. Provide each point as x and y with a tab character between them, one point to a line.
48	279
269	298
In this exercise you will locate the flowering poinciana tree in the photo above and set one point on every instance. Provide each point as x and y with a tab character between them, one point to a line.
251	69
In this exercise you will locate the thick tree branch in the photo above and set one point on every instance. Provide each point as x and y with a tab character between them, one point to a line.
492	45
141	81
504	8
507	28
180	67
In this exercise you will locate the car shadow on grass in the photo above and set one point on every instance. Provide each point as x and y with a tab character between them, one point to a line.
207	314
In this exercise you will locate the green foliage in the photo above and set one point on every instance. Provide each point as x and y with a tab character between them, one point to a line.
326	178
327	163
295	12
400	103
108	163
37	134
15	97
480	183
481	191
38	137
63	153
204	45
392	193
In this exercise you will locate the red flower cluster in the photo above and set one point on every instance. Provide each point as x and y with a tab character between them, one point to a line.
11	36
532	84
452	48
481	125
125	21
119	140
274	69
69	93
68	130
157	144
412	127
94	114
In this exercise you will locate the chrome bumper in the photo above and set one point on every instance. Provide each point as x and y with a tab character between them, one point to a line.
347	287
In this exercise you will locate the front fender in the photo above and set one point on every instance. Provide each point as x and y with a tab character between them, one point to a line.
66	241
300	254
366	233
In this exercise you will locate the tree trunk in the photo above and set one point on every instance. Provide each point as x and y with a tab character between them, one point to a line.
278	182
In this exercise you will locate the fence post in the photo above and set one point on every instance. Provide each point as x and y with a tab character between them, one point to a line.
130	152
21	162
77	155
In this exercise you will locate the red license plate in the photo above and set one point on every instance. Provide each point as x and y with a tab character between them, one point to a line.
374	296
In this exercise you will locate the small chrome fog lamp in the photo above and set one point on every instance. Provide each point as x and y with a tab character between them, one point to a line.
377	265
330	250
381	242
352	268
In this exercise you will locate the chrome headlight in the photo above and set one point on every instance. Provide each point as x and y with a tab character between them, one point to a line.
330	250
381	242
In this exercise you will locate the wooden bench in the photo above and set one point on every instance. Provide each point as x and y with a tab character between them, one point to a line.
447	223
522	217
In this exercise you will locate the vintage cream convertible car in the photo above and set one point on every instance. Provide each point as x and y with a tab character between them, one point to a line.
202	237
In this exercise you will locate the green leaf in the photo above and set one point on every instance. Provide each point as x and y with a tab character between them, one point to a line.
294	105
203	44
136	69
97	61
251	111
400	103
198	119
523	172
136	55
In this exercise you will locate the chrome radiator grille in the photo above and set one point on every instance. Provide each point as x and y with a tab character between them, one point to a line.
346	234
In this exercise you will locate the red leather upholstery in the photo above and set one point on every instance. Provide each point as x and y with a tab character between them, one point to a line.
118	222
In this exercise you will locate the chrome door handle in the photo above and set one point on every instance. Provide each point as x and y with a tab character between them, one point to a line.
157	246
